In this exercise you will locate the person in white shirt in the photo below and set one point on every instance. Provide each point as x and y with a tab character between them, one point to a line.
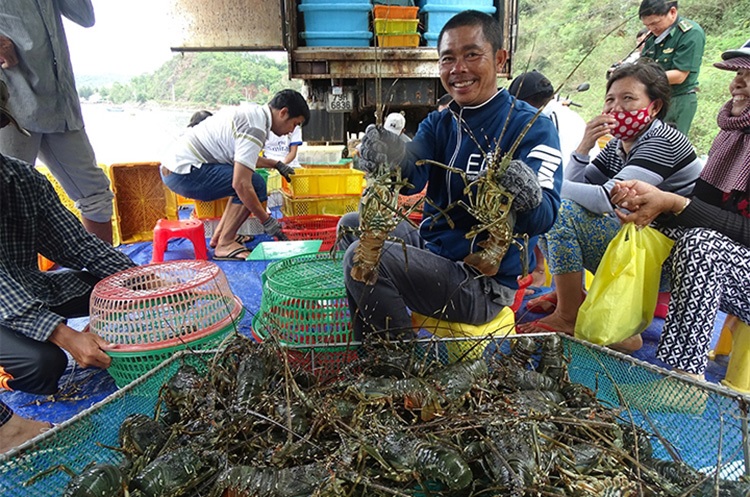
536	90
284	148
218	158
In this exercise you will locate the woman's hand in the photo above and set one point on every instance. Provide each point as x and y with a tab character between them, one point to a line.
595	129
643	201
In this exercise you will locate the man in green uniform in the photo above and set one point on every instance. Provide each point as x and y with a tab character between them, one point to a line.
677	46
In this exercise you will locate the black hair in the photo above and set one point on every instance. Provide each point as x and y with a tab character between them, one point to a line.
655	7
653	78
491	29
294	102
644	30
198	117
533	88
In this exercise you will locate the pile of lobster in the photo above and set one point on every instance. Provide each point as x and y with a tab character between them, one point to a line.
399	423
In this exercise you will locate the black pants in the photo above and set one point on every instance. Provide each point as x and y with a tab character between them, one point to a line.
37	366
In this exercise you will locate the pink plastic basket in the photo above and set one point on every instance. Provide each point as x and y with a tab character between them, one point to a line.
161	305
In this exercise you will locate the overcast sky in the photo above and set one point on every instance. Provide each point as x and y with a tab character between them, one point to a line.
129	37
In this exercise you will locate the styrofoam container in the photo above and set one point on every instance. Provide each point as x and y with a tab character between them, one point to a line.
320	154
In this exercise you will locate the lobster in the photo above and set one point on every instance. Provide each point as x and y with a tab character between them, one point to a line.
379	214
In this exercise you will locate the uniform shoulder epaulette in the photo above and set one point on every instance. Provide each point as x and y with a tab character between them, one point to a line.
685	25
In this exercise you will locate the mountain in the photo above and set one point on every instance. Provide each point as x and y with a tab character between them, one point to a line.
554	36
206	79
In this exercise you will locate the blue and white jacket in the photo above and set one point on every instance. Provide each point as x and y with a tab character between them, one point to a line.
444	137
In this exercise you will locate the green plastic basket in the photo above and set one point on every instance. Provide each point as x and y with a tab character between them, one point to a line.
162	305
128	366
83	439
304	301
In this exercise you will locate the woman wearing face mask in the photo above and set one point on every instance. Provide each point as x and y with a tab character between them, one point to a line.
643	148
710	261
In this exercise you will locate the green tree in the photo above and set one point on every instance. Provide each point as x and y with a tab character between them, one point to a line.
208	79
85	92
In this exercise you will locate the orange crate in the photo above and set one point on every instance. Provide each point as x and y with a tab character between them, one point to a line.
141	199
398	40
394	12
332	206
44	263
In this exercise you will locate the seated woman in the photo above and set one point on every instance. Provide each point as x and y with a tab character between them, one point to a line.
710	261
643	148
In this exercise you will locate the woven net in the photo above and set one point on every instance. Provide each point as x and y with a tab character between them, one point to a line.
704	426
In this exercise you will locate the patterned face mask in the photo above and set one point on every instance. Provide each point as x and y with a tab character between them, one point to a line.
630	123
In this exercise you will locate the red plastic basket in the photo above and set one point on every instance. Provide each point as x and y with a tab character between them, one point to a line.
311	228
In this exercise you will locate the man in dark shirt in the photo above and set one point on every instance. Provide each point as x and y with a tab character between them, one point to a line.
35	305
677	46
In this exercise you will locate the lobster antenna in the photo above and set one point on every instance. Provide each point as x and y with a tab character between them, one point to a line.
591	50
497	153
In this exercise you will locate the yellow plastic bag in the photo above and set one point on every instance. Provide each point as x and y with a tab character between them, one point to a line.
622	298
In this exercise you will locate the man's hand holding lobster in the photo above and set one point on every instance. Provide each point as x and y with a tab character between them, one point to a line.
521	183
380	147
501	195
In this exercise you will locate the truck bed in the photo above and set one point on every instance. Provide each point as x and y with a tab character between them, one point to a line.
364	62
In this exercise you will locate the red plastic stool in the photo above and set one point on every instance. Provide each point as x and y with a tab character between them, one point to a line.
192	229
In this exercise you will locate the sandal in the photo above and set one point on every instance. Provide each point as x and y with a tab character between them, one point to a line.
232	256
241	239
537	307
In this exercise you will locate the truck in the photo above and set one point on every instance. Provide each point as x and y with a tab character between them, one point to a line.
343	85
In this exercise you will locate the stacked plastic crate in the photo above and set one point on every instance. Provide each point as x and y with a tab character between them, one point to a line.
326	191
438	12
396	26
210	212
336	23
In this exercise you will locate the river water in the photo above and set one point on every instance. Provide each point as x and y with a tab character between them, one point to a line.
132	134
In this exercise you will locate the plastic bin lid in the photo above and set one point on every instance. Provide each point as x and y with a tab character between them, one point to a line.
282	250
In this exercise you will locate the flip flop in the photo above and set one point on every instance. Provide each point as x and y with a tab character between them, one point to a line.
533	291
536	308
538	324
241	239
232	256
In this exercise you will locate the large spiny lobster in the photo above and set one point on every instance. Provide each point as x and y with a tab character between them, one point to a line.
379	214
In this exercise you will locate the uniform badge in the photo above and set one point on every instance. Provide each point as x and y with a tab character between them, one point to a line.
668	50
685	26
